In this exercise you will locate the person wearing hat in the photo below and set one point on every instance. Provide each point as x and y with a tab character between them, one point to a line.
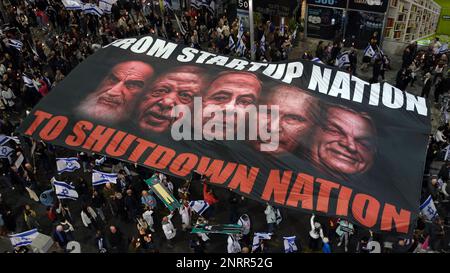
315	234
427	82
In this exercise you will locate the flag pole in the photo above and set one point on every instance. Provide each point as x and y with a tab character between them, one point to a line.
252	34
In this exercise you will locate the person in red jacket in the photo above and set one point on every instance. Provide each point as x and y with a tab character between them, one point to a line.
210	198
43	88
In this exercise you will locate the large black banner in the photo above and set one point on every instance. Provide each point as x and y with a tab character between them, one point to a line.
296	134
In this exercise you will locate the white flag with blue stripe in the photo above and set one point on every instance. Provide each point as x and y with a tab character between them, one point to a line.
443	49
5	139
72	4
92	9
343	60
289	244
317	60
69	164
64	190
240	43
196	4
428	209
380	51
241	48
199	206
369	51
99	178
262	44
210	5
15	43
24	238
28	82
231	44
105	5
6	152
168	5
100	161
258	237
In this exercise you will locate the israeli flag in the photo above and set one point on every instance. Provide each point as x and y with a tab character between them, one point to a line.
72	4
92	9
199	206
262	44
99	178
289	244
6	152
16	44
254	49
5	139
231	44
100	161
343	60
23	238
443	49
239	37
294	35
317	60
64	190
428	209
105	5
369	51
168	4
67	164
258	237
28	82
196	4
241	48
210	5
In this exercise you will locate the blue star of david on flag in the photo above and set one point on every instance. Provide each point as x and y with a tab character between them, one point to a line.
99	178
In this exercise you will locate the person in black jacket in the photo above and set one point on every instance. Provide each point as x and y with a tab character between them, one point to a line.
444	172
433	188
60	236
115	240
131	206
197	245
437	234
98	202
427	83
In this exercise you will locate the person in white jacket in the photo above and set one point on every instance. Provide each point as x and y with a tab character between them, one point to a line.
186	214
271	218
315	234
244	221
233	245
89	217
8	97
148	217
169	229
344	231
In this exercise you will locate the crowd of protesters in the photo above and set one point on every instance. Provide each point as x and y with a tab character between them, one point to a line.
54	41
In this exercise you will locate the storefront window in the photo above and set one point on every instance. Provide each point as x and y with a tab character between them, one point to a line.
324	23
361	25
